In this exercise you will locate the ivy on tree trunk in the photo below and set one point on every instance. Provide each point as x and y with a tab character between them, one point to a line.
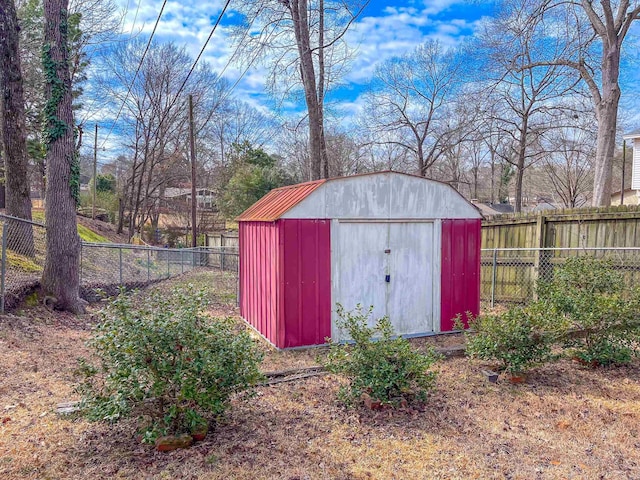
61	270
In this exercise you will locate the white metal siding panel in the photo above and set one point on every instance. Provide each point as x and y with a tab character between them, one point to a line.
413	197
437	265
635	171
383	196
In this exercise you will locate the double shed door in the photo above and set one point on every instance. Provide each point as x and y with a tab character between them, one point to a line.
390	266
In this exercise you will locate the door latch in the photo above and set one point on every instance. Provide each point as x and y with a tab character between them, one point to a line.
387	278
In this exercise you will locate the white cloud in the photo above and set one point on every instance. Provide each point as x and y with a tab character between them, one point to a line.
398	31
393	30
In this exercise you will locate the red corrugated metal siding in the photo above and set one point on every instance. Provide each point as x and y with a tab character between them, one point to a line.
460	270
259	276
305	282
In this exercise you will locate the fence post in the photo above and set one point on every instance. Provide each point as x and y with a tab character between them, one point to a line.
148	265
238	281
4	263
182	260
540	243
120	251
493	277
222	260
81	258
168	263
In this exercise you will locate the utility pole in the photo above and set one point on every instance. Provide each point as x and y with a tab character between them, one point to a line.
624	158
192	144
95	172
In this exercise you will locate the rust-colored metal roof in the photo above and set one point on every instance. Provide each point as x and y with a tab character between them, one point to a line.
278	201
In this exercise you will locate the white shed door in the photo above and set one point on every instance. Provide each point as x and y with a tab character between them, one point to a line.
387	265
410	303
360	265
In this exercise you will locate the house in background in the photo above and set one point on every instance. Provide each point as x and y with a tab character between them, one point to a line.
181	196
631	195
489	209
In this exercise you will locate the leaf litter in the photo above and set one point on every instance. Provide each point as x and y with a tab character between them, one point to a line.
567	421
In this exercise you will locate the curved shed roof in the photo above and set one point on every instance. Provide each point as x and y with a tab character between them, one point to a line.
380	195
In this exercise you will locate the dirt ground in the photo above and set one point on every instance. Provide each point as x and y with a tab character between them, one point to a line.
565	422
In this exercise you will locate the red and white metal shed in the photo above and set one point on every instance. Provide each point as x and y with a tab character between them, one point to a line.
406	245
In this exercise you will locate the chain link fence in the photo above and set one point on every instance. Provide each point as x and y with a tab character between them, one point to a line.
23	252
509	276
105	267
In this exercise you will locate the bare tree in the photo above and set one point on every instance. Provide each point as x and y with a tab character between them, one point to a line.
567	165
61	268
153	121
594	34
12	116
412	98
302	39
92	23
529	95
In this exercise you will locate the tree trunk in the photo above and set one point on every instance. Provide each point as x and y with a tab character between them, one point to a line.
61	268
422	170
493	176
520	164
299	15
12	116
607	116
324	157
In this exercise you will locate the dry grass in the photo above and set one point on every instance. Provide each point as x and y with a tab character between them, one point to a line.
566	422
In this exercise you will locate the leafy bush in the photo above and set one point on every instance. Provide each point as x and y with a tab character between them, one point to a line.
166	362
386	368
592	299
105	201
520	338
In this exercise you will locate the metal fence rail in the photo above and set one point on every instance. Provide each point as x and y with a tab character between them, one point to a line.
510	275
105	266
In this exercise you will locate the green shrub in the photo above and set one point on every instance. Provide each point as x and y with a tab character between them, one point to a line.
592	299
386	368
106	201
166	362
519	339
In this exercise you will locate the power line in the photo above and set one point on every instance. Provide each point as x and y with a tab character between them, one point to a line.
195	63
87	116
126	97
135	17
224	9
193	66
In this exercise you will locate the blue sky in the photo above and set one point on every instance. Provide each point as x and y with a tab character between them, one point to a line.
385	29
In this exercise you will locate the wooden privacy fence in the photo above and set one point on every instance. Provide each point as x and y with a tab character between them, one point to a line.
518	250
579	228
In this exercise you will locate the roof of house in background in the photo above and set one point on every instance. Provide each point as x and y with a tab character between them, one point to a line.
173	192
631	135
542	206
502	207
278	201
